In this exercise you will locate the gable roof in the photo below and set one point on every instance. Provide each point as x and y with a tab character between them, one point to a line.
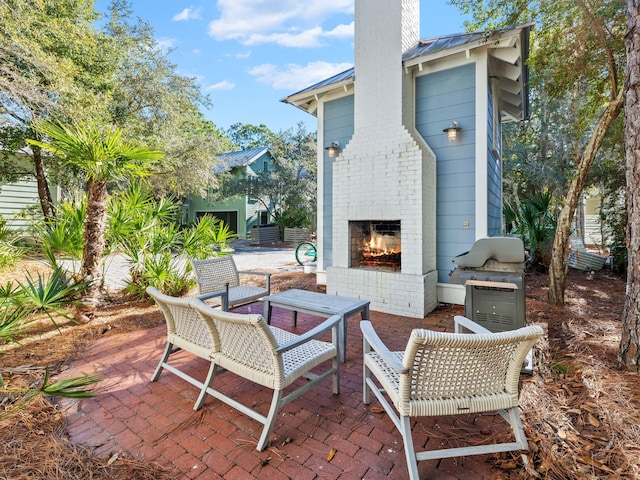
241	158
506	60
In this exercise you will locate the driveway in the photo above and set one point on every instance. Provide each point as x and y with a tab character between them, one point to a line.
246	256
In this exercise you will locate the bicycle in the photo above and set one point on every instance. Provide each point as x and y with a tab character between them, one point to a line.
306	253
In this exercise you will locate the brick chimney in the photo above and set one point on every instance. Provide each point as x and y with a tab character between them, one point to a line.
386	172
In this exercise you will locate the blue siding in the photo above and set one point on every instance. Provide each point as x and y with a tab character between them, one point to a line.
494	172
440	98
338	126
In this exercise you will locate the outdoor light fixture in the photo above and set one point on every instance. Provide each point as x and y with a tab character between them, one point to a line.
452	131
333	149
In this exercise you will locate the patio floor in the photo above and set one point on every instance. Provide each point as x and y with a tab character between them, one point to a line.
156	422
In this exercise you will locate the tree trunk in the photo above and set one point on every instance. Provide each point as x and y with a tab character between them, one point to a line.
44	193
94	227
557	267
629	354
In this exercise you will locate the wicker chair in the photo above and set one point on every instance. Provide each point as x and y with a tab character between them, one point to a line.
448	374
270	357
186	330
221	273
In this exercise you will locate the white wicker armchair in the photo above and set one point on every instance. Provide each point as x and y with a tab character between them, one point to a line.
270	357
221	273
186	330
448	374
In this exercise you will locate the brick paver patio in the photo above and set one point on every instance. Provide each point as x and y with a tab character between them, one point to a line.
156	422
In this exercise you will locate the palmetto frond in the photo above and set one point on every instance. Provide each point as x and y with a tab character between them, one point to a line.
98	150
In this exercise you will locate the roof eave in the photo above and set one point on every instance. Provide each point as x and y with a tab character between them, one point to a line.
308	100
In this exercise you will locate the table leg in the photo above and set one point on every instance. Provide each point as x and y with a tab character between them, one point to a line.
267	311
294	318
343	340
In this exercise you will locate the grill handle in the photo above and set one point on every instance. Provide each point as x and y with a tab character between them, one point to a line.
486	283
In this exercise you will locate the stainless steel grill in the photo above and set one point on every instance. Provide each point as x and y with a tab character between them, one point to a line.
493	275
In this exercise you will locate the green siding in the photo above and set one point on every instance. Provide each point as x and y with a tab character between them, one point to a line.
16	198
246	210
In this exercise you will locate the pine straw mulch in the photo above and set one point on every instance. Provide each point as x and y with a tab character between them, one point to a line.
581	414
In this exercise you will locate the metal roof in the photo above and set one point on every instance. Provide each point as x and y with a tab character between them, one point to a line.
241	158
423	47
444	42
424	51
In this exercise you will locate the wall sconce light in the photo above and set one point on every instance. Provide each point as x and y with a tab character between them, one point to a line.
452	131
333	149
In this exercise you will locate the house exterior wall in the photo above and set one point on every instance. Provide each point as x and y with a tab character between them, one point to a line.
338	125
16	198
443	96
494	168
199	205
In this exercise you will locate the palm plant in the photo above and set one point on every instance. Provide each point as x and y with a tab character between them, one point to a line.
534	221
64	237
206	238
104	156
13	319
70	388
158	250
53	295
10	251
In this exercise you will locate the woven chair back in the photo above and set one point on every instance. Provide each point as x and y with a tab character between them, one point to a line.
184	322
216	270
452	365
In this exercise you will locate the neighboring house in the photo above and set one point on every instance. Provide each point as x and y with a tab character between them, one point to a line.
587	222
16	198
240	212
21	196
395	176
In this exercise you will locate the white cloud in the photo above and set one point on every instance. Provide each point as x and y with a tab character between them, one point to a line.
342	31
223	85
188	14
166	43
289	23
296	77
240	56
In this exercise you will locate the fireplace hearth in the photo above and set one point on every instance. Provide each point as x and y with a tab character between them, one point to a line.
376	244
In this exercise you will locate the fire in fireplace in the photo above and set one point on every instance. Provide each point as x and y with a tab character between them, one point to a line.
375	244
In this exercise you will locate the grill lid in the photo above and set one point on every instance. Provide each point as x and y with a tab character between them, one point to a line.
502	249
491	254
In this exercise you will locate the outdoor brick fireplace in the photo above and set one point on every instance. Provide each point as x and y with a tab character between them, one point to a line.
384	179
376	244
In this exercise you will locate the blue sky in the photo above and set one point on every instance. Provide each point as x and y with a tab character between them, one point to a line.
249	54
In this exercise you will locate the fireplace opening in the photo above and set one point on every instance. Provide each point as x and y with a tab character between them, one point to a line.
375	244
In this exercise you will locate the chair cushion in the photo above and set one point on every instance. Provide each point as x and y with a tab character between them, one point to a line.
241	294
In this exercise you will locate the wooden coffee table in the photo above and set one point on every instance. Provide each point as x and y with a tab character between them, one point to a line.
318	304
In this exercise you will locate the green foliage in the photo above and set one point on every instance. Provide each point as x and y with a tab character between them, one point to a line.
288	190
70	388
52	295
534	221
64	237
10	250
13	320
158	250
207	237
7	291
99	151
